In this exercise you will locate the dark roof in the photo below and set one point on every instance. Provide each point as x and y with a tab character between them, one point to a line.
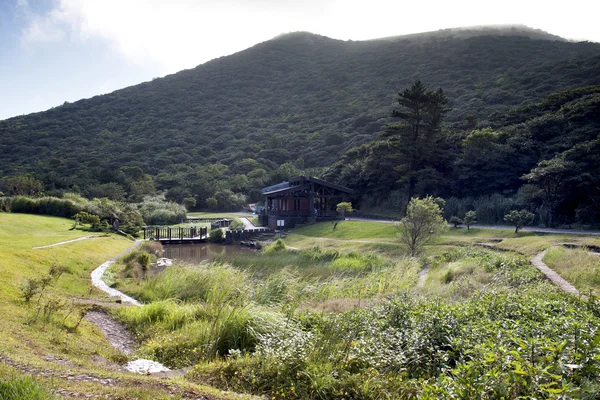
299	183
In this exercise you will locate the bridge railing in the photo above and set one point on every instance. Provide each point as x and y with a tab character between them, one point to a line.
170	233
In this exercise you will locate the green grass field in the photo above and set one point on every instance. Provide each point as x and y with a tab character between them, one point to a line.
83	350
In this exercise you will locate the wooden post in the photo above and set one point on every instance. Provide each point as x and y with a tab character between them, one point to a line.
311	200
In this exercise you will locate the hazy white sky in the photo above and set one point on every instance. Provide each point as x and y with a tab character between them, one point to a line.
53	51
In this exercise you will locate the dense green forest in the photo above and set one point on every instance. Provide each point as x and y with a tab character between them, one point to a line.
304	103
544	156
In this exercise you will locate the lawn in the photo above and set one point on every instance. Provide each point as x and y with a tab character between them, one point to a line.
350	230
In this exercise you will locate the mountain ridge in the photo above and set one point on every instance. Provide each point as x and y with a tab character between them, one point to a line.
283	100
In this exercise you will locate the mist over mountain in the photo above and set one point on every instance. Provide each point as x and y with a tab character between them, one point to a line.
300	97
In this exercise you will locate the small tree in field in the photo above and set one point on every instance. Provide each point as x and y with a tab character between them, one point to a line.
422	223
454	220
344	207
470	218
519	218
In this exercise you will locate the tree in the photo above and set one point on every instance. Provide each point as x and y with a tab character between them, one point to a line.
470	218
454	220
519	218
344	207
189	203
550	177
417	141
424	220
22	185
212	203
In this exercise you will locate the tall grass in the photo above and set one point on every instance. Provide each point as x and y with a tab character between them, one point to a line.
501	343
458	274
23	387
182	334
576	266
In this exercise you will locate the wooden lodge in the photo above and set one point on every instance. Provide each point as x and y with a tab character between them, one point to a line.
301	199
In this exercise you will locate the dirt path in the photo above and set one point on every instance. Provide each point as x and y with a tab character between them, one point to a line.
68	241
423	276
552	275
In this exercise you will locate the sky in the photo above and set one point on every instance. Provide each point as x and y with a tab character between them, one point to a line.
52	51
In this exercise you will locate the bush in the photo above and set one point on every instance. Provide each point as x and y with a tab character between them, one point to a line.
215	235
157	211
44	206
5	204
277	245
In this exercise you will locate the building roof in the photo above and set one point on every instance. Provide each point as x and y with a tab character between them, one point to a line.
301	183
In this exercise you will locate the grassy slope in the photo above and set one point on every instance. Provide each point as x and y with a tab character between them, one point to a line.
30	343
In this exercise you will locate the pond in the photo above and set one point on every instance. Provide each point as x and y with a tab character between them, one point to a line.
196	253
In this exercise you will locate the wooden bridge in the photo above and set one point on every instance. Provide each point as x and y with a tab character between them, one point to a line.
169	235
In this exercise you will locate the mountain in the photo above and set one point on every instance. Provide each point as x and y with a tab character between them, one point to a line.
299	97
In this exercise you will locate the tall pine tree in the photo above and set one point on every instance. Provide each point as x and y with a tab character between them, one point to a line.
417	141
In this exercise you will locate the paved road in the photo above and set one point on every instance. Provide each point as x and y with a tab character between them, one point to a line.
249	226
503	227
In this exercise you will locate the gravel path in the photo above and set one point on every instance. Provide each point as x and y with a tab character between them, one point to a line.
68	241
552	275
100	284
118	336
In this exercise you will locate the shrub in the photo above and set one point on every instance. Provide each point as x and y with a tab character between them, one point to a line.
157	211
277	245
215	235
5	204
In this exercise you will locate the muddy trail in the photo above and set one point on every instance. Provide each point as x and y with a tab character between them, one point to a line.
117	335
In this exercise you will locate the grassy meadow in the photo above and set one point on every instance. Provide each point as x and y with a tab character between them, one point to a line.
342	314
577	266
323	314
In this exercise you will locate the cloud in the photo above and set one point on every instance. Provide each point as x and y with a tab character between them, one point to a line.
177	34
173	35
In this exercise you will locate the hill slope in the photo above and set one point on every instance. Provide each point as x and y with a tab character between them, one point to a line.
298	96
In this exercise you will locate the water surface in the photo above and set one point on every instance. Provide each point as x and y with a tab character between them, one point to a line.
196	253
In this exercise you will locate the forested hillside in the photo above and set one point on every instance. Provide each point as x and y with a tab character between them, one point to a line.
297	102
544	156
